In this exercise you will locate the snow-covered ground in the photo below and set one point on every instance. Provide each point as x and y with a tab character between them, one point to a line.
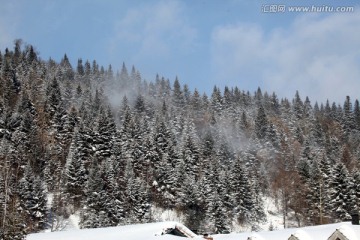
321	232
273	216
69	228
150	231
170	219
154	231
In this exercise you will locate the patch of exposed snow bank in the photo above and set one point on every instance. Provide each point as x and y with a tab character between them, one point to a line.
150	231
352	233
74	220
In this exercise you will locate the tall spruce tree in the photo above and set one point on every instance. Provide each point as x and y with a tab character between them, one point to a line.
33	201
340	197
357	115
261	123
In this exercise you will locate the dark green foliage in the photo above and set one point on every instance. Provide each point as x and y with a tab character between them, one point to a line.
66	72
298	106
356	184
53	98
242	194
348	115
178	95
75	173
32	201
357	114
341	202
221	223
261	123
137	200
80	68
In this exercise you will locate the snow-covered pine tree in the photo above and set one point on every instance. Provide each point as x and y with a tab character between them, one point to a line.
178	95
326	170
89	213
66	71
261	123
137	198
316	194
221	224
189	150
340	194
192	204
75	173
348	122
298	106
3	198
53	100
242	198
357	114
103	204
356	181
105	131
32	201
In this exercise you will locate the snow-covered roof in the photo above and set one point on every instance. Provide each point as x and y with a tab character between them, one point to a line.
346	232
300	235
255	236
150	231
321	232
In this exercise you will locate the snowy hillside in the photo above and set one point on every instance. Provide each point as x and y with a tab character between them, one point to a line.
162	230
321	232
107	147
131	232
157	231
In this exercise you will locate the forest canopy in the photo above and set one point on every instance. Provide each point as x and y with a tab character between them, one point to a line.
112	146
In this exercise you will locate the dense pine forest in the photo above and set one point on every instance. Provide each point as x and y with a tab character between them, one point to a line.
113	147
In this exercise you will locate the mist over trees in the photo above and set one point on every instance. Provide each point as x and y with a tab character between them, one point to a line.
113	146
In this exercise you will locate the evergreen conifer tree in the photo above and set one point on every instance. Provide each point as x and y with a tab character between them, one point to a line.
340	195
357	115
33	200
261	123
75	176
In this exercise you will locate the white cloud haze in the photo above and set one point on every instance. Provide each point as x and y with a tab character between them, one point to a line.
204	43
8	21
155	29
319	56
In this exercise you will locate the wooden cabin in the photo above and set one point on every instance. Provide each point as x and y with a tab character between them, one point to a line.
346	232
337	235
207	237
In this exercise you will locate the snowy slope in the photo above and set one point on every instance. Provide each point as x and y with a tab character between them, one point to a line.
321	232
153	231
131	232
350	231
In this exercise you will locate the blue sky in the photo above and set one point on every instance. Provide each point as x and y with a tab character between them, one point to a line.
203	42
